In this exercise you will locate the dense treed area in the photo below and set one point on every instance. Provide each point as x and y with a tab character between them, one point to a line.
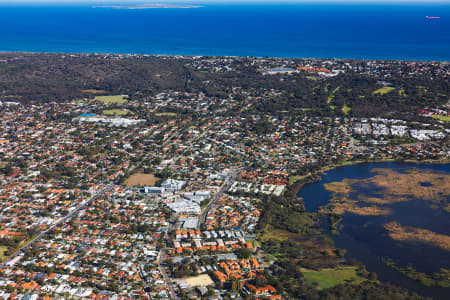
46	77
57	77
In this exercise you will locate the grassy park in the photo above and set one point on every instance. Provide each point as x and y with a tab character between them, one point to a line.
2	252
346	109
327	278
115	99
383	91
166	114
116	112
272	233
94	91
442	118
294	178
331	96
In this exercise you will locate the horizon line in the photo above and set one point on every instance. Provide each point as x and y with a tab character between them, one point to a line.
222	1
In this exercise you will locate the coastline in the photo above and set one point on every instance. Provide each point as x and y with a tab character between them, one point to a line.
25	52
193	55
148	6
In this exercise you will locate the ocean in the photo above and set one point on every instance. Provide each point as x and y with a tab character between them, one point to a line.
388	31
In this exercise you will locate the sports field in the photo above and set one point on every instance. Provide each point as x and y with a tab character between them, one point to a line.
383	90
141	179
327	278
116	99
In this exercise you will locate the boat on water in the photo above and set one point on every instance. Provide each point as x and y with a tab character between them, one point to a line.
428	17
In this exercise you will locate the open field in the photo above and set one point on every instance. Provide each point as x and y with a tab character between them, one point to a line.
401	140
116	99
383	90
200	280
116	112
346	109
294	178
92	91
167	114
442	118
271	233
141	179
422	88
2	252
327	278
331	96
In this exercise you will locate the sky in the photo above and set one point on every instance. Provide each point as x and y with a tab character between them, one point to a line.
223	1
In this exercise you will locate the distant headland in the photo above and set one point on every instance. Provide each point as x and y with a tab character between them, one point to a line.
147	6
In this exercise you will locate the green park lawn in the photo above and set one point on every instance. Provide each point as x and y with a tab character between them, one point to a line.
442	118
116	99
167	114
327	278
346	109
383	90
2	252
331	96
117	112
294	178
270	233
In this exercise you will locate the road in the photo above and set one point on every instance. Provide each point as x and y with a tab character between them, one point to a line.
160	262
82	205
162	253
162	256
148	286
225	186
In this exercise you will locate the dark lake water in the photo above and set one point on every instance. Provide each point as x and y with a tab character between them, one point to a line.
365	239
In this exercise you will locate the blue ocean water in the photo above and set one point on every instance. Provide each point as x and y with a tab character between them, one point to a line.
388	31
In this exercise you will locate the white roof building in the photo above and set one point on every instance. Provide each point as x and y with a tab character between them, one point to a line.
184	206
173	185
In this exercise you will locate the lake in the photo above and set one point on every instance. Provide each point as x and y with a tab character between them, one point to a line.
365	238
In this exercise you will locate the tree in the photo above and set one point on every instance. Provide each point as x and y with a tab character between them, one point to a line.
244	253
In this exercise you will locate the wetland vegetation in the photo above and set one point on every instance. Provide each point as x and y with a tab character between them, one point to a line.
389	212
307	261
387	187
400	233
